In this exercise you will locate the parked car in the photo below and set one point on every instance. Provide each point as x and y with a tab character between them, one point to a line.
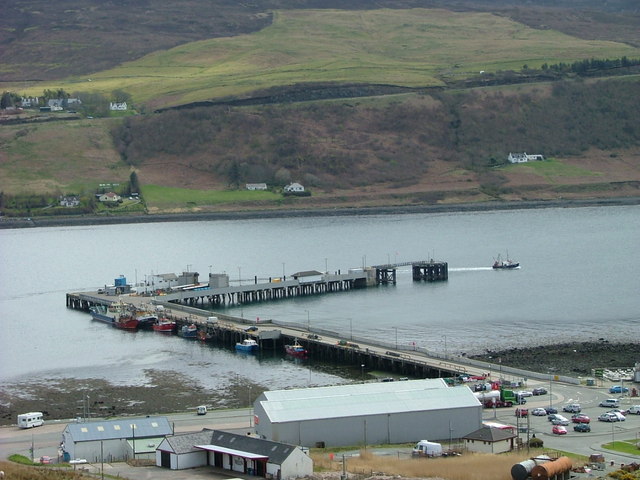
560	420
522	412
634	410
610	402
539	412
618	389
524	393
617	410
559	430
45	459
607	417
539	391
618	415
582	427
580	418
551	410
572	408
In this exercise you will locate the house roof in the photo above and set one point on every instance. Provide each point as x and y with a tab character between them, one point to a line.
490	434
233	443
123	428
364	399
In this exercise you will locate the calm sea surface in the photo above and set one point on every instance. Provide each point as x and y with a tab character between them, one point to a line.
579	281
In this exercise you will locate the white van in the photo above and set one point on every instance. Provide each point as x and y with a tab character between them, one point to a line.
634	410
424	448
201	410
31	419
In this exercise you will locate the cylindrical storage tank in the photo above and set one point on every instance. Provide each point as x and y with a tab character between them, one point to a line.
522	470
548	470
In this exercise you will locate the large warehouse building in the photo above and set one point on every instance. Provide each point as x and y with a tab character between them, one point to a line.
368	413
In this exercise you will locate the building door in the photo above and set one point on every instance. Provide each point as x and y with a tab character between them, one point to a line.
165	459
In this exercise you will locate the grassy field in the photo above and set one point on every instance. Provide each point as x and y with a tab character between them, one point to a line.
170	198
415	47
65	157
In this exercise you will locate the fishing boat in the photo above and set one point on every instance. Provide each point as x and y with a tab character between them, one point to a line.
296	350
188	331
119	315
247	345
164	325
146	319
206	335
507	264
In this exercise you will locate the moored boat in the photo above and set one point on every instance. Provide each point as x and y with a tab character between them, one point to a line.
507	264
247	345
188	331
119	315
296	350
164	325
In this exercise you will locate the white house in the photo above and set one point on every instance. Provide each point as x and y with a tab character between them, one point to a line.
256	186
244	454
69	201
294	188
490	440
524	157
118	106
109	197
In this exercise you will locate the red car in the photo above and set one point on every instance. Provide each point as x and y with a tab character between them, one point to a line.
580	418
522	412
559	430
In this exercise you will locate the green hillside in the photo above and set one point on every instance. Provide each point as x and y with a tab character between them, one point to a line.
417	47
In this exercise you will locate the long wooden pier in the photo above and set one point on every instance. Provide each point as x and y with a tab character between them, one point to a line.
181	304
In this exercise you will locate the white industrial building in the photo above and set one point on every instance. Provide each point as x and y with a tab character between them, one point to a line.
114	440
368	413
236	453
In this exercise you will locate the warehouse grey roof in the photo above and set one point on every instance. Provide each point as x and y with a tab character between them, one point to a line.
123	428
226	442
490	434
364	399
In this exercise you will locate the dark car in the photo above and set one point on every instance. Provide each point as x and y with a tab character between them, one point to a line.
539	391
251	329
551	410
582	427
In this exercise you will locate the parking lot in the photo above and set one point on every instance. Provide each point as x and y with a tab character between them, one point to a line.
589	400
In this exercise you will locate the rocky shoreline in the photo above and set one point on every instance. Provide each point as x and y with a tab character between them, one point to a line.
170	392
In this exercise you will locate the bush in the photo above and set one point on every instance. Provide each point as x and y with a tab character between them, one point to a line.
535	442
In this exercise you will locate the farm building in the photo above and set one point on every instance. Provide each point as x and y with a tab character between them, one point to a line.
115	440
238	453
367	413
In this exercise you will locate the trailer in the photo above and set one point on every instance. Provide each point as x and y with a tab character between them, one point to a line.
30	420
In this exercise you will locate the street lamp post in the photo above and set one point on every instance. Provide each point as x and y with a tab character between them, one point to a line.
239	276
396	329
283	271
308	321
350	329
362	370
445	347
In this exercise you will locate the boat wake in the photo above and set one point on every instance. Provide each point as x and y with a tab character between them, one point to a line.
470	269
